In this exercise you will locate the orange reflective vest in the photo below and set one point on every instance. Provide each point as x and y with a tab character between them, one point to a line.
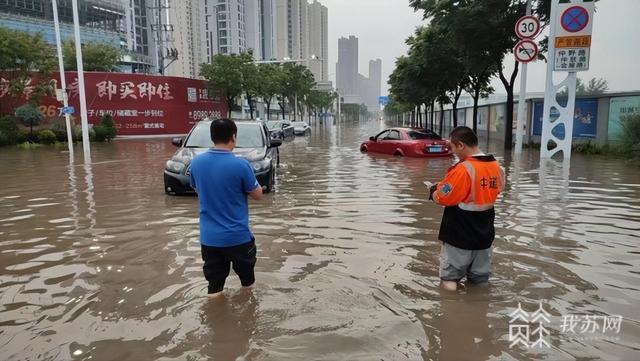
469	192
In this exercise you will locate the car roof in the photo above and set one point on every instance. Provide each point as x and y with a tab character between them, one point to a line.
207	120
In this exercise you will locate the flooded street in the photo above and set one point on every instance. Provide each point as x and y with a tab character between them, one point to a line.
98	263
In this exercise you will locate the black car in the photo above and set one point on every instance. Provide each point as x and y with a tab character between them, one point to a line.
253	144
281	129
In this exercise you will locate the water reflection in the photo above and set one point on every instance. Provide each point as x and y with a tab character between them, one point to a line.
231	323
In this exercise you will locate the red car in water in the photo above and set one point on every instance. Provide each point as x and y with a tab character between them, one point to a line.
409	142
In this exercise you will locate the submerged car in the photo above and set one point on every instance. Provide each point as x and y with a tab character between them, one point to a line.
281	129
301	128
252	143
409	142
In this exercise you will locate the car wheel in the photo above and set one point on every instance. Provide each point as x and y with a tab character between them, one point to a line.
397	153
272	181
364	149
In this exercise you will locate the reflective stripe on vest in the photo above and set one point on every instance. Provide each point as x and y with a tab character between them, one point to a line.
471	206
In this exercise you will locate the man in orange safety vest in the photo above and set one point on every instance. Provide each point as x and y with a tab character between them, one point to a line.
468	192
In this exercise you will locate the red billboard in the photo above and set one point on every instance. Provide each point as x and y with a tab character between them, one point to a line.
140	104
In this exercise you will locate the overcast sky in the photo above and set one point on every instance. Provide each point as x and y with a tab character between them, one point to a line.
383	25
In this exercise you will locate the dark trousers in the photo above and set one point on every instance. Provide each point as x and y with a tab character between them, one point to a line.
218	260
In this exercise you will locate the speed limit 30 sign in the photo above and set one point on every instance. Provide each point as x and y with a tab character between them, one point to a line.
527	27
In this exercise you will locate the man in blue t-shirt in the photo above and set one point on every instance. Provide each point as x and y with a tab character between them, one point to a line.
223	182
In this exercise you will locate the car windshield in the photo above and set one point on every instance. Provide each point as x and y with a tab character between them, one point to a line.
274	125
416	135
249	136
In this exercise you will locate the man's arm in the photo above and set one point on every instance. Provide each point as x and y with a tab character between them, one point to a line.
454	188
256	194
250	183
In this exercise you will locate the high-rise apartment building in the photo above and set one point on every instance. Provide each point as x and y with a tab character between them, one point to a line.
318	19
189	38
353	86
121	23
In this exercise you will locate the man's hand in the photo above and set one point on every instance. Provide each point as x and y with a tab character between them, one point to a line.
432	190
256	194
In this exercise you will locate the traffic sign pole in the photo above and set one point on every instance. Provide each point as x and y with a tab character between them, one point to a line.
521	101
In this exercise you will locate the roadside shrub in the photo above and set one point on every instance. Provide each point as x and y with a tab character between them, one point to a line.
100	133
4	139
631	136
77	134
109	127
29	145
22	136
46	137
60	130
9	129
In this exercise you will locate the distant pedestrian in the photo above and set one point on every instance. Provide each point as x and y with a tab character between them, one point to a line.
468	192
223	183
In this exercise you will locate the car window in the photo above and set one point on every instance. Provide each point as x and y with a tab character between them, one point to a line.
393	135
298	124
382	135
274	125
416	135
249	136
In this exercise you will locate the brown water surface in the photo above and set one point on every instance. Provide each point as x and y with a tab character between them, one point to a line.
98	263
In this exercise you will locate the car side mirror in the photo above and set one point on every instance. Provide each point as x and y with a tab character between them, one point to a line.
275	143
373	139
177	142
284	126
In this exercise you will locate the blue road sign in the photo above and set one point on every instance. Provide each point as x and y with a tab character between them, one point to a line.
575	19
67	110
383	100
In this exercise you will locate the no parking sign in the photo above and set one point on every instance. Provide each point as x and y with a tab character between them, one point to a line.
572	41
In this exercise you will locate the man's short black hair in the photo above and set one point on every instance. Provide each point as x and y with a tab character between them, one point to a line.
464	135
223	130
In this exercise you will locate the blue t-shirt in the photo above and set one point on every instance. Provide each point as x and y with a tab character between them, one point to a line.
222	181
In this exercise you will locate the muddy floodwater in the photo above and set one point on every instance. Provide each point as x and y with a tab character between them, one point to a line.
97	263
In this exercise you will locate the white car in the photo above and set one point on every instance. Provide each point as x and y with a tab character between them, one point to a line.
301	128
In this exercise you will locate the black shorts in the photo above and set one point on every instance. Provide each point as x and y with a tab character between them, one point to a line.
217	261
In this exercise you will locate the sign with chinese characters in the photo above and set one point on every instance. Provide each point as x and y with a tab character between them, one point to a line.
585	119
139	104
572	59
572	40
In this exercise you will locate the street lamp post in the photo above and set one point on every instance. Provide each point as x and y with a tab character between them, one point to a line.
63	80
81	90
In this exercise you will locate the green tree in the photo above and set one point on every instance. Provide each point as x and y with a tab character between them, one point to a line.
30	115
270	77
298	84
95	56
250	81
595	86
225	77
23	55
484	43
